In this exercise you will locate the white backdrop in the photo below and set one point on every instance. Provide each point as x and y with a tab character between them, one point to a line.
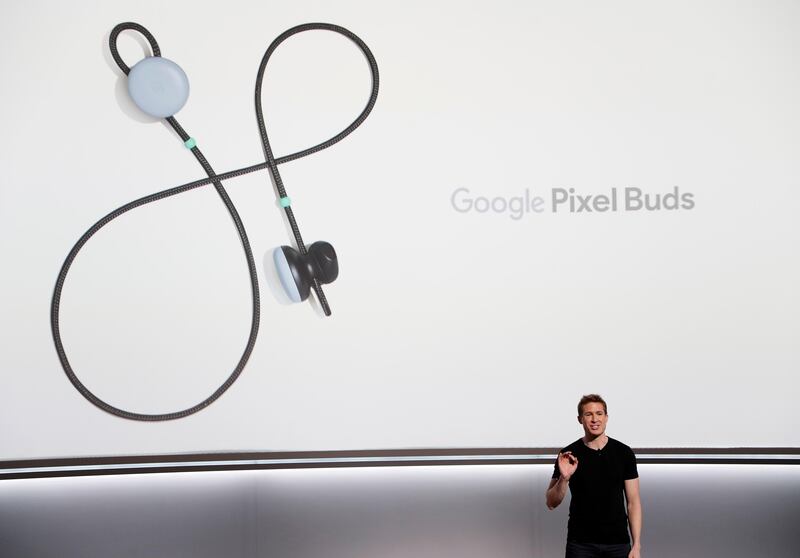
459	318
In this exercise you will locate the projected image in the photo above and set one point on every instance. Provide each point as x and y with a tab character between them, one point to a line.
548	201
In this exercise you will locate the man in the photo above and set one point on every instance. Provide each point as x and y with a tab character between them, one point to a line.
598	470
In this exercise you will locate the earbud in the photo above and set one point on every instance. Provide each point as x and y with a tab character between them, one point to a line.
158	86
298	271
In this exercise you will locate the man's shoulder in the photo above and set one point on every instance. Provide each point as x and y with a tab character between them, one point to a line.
574	447
619	446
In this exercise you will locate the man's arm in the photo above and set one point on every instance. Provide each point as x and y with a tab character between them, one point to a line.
556	492
634	516
567	465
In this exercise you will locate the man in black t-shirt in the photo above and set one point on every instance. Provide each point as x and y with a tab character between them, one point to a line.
598	471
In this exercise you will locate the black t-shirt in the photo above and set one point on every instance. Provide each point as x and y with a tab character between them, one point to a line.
597	508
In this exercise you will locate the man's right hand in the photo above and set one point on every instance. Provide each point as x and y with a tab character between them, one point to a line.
567	464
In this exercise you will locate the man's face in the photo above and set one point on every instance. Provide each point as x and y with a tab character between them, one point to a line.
593	419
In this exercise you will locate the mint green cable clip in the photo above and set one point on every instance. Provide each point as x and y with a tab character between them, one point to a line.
285	202
190	143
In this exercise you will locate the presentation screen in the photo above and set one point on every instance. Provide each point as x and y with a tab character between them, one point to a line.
547	200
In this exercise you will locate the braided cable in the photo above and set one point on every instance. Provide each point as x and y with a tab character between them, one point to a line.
271	163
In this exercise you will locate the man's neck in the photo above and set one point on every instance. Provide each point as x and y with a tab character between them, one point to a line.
595	442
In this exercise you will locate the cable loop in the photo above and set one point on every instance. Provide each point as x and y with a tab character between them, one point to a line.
112	42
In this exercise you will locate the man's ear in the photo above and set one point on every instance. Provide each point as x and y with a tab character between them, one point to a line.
579	420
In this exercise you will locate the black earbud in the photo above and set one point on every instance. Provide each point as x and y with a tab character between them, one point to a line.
298	271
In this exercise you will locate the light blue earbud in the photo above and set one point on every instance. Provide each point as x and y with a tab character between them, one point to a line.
158	86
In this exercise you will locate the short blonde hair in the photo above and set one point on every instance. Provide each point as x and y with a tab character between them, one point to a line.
591	398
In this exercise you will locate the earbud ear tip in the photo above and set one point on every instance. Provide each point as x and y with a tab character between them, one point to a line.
326	264
286	260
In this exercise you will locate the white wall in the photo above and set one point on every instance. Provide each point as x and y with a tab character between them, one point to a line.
450	328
